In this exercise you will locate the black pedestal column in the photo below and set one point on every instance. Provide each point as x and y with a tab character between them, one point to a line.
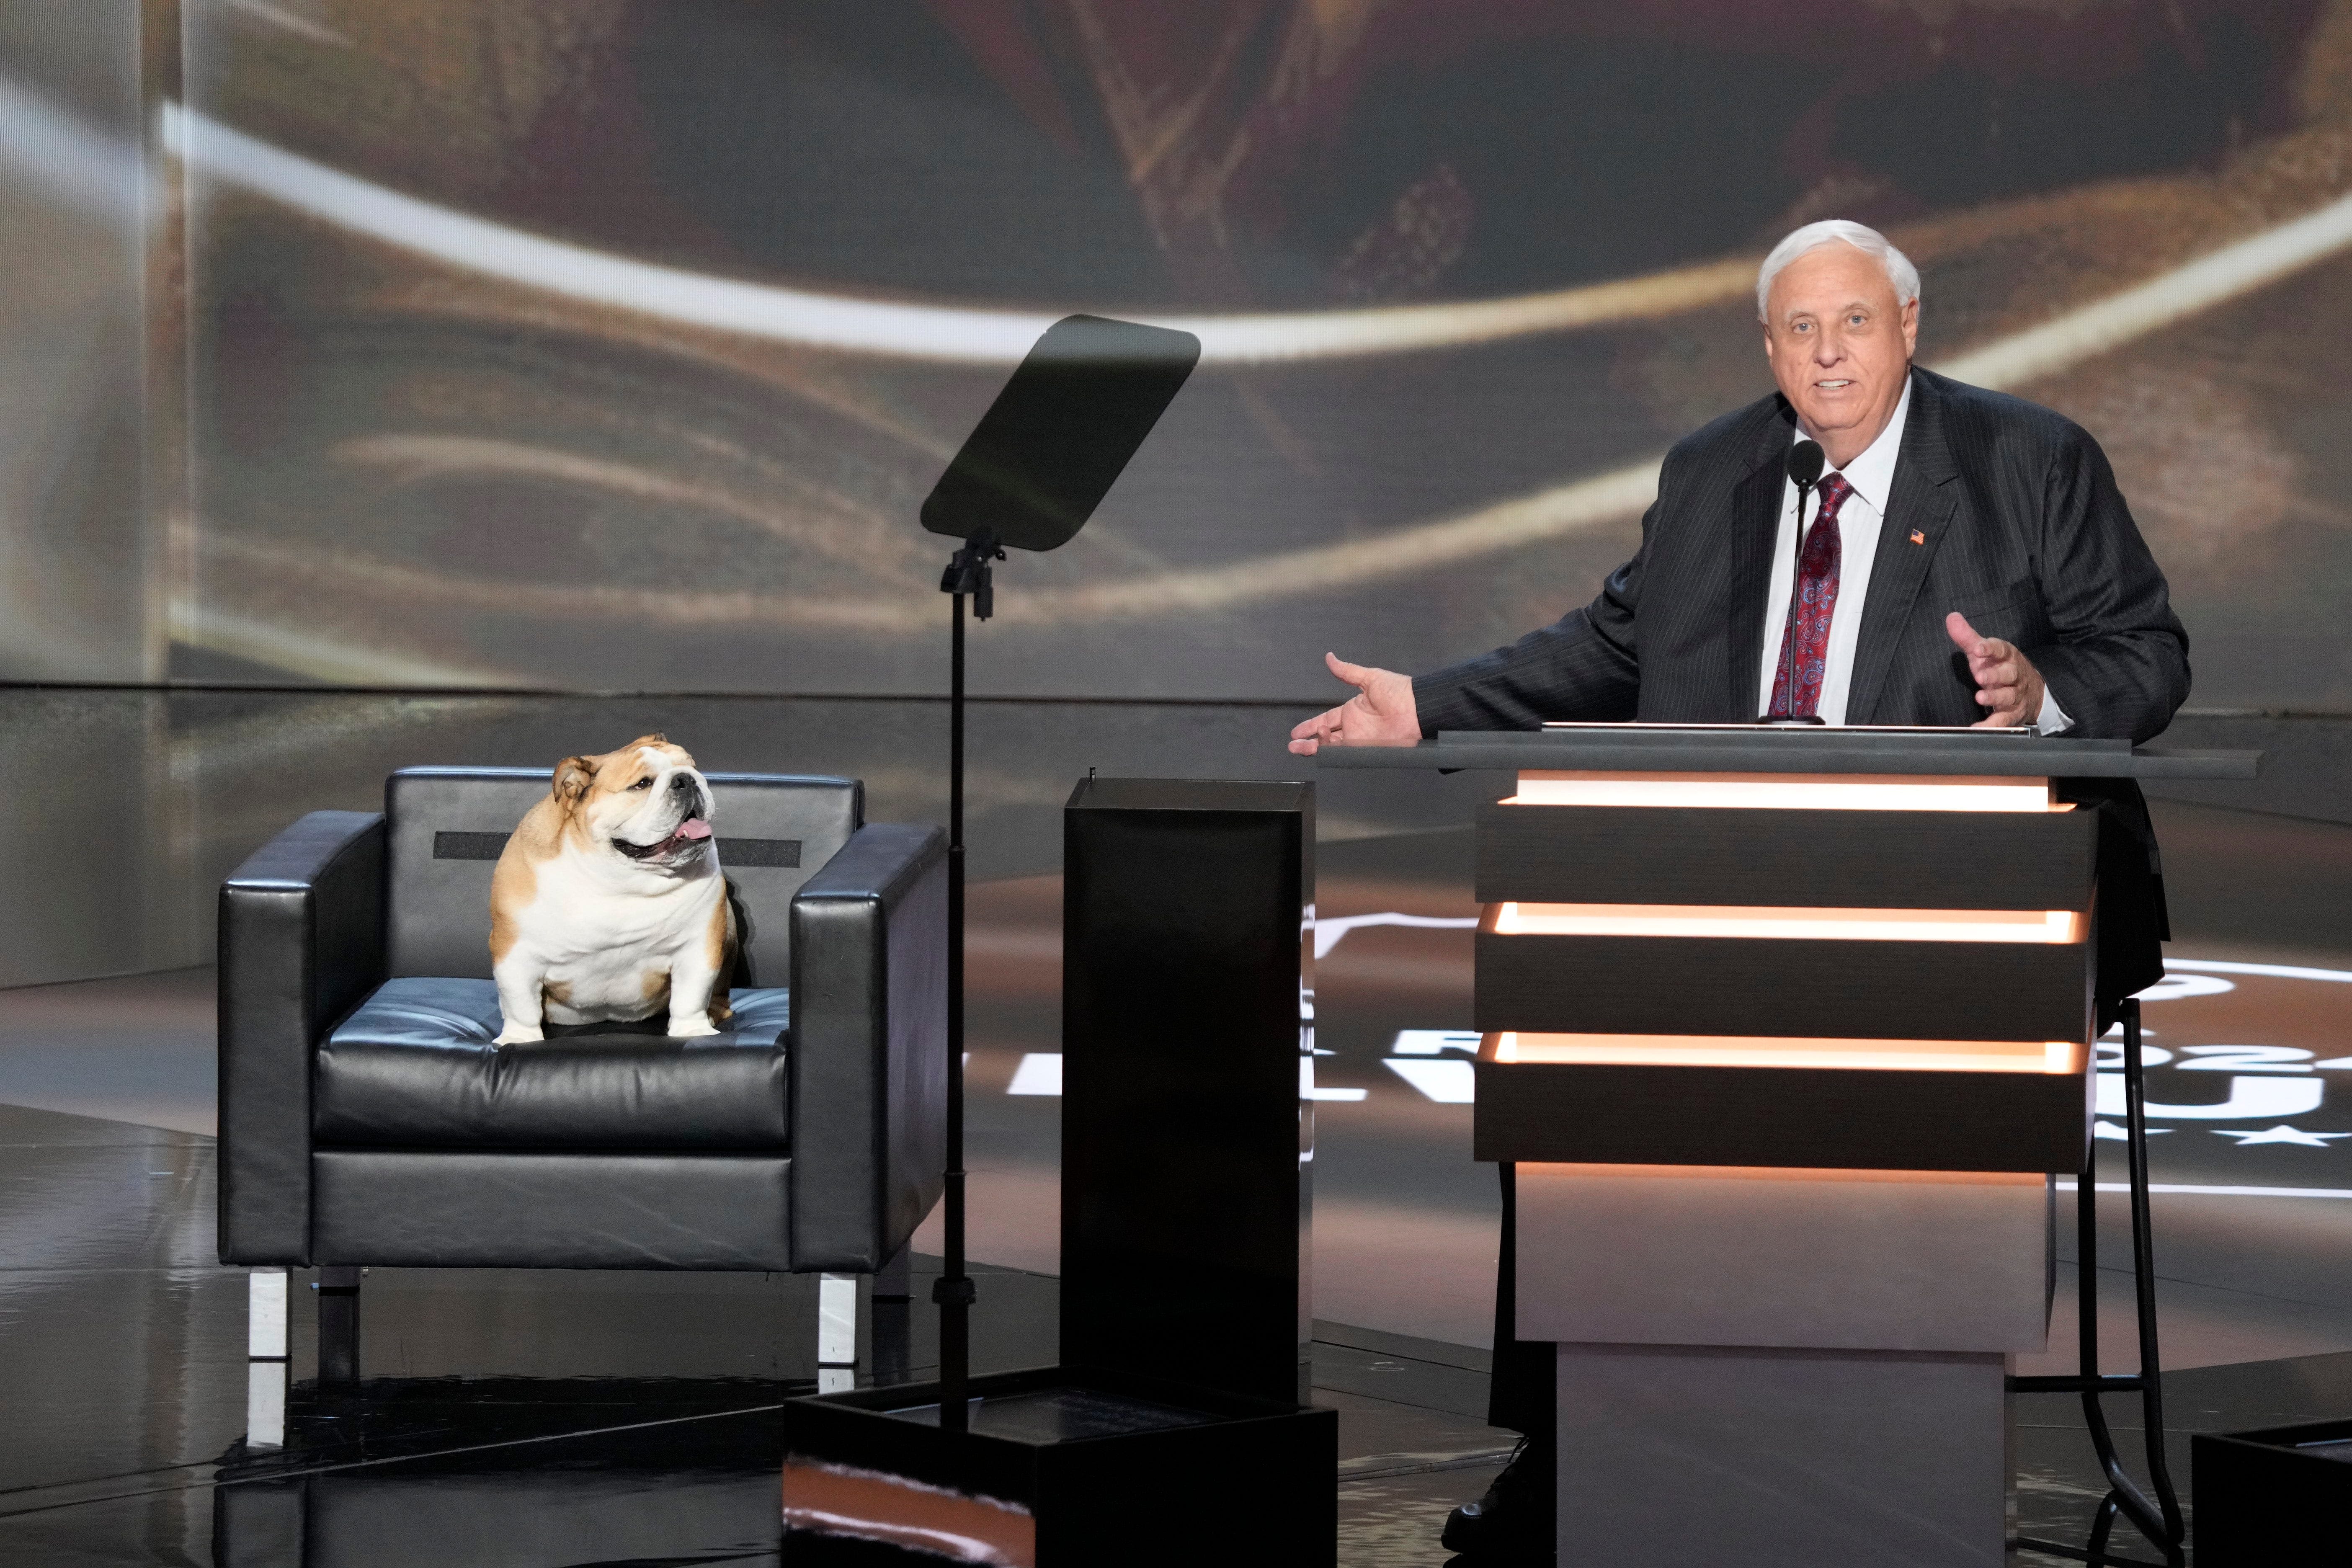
1175	1432
1186	1138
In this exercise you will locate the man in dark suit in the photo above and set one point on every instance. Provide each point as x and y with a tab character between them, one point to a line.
1970	561
2005	567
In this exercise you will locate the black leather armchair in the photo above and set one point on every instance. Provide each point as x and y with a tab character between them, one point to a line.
366	1119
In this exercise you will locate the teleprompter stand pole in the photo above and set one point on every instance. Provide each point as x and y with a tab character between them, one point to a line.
968	573
1034	467
2161	1519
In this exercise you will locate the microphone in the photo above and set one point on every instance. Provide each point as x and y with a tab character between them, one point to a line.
1805	460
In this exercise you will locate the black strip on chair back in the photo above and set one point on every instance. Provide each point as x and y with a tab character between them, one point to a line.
732	851
448	826
469	845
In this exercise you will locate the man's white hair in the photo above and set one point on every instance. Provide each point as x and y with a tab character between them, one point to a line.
1835	231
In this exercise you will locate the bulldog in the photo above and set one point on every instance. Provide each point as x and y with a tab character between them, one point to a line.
608	903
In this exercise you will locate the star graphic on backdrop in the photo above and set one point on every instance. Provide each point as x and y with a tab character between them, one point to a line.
2281	1134
2110	1131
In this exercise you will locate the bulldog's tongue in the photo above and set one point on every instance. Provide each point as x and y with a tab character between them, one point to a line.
694	827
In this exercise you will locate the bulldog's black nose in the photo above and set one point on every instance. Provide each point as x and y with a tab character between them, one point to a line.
680	784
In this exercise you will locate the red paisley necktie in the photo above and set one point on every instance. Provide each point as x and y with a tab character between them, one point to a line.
1805	645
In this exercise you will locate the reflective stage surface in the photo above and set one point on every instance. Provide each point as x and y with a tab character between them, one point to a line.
594	1418
506	1417
528	1419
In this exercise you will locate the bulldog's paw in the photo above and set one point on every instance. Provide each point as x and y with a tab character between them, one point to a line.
520	1035
690	1028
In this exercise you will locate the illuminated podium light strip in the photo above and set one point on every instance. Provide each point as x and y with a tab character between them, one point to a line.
2053	1057
2054	927
1789	791
1809	1174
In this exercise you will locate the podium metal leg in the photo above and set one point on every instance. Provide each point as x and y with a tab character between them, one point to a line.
2159	1520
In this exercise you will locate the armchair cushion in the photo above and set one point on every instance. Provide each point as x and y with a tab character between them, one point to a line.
413	1067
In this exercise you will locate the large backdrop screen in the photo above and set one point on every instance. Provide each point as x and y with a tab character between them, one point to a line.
613	345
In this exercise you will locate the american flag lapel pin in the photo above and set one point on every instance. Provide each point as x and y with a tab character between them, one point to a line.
1917	537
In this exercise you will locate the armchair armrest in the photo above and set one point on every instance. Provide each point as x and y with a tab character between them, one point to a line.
869	1062
302	940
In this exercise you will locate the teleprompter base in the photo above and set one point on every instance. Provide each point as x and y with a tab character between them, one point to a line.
2274	1497
1060	1466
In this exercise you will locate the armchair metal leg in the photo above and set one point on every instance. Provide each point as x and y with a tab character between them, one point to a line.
836	1332
265	1314
338	1327
265	1404
265	1367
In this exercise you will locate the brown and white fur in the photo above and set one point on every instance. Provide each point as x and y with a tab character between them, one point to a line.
608	903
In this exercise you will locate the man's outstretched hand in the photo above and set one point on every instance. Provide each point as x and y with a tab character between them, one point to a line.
2007	682
1380	714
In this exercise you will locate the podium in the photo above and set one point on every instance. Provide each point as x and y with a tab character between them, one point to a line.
1787	1031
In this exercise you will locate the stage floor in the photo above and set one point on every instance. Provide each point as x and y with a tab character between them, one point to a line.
504	1417
527	1419
530	1401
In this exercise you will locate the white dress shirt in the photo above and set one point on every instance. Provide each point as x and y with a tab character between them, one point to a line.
1858	522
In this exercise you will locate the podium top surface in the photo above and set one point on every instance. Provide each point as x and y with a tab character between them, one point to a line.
1795	748
1191	794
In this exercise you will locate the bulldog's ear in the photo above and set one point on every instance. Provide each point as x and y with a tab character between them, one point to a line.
572	777
656	739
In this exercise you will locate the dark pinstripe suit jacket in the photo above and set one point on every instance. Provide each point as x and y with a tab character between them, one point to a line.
2021	529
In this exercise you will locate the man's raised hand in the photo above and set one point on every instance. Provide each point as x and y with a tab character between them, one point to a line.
2007	682
1380	714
